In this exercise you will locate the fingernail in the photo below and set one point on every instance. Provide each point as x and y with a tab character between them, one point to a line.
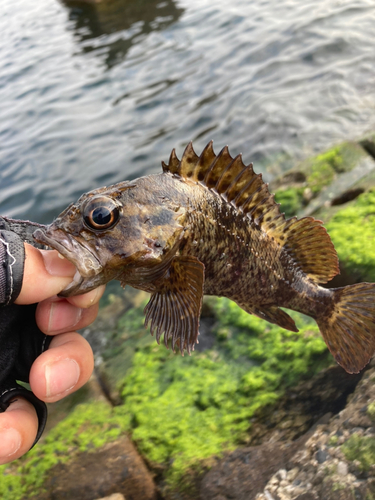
61	377
95	294
10	442
63	315
56	266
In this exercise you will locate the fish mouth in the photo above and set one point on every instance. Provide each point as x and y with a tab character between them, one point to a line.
89	269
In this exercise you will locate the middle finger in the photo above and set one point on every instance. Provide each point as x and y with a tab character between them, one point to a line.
57	315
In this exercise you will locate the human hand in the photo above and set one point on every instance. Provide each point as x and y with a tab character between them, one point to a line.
68	362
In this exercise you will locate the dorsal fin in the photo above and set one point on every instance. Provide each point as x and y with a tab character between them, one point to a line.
305	240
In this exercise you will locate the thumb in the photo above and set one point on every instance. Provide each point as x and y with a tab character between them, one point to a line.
45	275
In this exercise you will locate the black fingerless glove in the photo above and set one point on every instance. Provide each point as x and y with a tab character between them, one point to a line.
21	341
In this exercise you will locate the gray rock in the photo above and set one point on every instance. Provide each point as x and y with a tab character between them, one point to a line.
321	456
342	468
115	468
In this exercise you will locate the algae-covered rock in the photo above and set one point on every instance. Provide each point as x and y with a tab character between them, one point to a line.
352	230
323	179
185	410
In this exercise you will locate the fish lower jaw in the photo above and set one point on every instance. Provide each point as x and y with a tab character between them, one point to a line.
83	284
87	264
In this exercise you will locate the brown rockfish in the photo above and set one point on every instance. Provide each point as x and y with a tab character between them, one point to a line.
208	225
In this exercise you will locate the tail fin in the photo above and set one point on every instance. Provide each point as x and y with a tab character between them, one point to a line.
349	331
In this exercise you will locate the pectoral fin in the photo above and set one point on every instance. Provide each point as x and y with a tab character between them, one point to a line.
175	307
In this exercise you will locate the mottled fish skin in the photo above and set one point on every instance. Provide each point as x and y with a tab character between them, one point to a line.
208	225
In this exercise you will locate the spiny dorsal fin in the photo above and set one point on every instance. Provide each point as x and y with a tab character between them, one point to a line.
173	164
305	240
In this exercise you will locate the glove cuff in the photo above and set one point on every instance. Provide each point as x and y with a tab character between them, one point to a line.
11	395
12	261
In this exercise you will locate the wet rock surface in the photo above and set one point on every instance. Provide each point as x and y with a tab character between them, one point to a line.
293	455
115	496
337	461
304	405
116	468
245	472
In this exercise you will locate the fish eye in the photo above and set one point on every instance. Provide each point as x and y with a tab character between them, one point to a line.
100	213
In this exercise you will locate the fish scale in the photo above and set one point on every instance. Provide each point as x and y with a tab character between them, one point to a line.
209	225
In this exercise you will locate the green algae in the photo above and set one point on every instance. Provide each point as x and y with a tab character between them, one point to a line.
88	426
371	411
337	486
333	440
361	449
352	230
324	168
291	200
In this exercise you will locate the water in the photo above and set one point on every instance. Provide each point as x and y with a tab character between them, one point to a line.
91	95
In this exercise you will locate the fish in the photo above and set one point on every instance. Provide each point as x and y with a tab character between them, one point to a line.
208	225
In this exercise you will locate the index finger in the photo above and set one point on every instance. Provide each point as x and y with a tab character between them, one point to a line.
45	275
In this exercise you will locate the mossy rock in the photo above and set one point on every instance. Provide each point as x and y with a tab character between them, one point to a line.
351	224
352	230
295	189
321	169
291	199
185	410
361	448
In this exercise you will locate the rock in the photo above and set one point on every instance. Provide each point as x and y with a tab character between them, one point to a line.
115	468
245	472
344	188
287	467
307	496
115	496
303	405
321	456
268	495
292	474
368	144
330	464
281	474
342	468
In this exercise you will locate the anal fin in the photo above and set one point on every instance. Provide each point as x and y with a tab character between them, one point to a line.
273	315
174	308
